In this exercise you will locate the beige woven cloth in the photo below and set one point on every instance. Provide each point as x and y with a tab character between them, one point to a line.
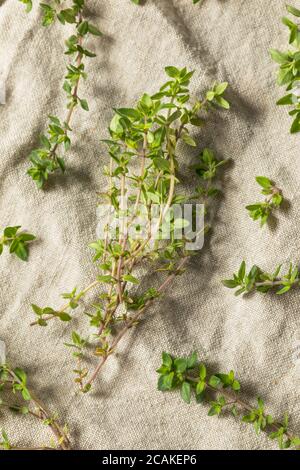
228	40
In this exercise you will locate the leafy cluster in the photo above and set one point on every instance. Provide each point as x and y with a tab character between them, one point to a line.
289	70
16	397
148	136
221	392
262	210
17	242
48	158
258	280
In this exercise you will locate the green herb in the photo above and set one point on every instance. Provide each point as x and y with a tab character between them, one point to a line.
49	156
16	397
146	136
28	4
262	210
221	393
258	280
289	69
17	241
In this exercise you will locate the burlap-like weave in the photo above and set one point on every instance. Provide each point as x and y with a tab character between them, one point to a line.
227	40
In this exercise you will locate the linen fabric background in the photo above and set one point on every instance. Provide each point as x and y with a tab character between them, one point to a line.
224	40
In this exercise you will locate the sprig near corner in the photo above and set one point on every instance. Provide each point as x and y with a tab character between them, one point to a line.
222	392
262	210
16	397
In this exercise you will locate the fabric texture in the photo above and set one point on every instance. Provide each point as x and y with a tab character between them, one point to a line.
254	335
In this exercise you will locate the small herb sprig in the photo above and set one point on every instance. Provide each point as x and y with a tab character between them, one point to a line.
221	392
17	241
289	70
147	135
262	210
48	158
258	280
16	397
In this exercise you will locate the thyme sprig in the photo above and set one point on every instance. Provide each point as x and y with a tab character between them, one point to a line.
258	280
222	393
148	136
16	397
48	158
289	69
17	241
262	210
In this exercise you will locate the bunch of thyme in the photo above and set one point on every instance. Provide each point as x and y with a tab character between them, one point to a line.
147	135
19	399
48	157
222	393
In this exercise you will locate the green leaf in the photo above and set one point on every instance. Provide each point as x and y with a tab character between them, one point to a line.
264	182
220	88
84	105
131	113
188	140
181	223
173	72
222	102
83	28
288	99
37	310
10	232
283	290
192	360
294	11
21	251
94	30
296	125
200	387
28	4
186	392
115	125
242	271
130	278
278	56
167	360
215	381
230	283
65	317
202	372
165	382
180	365
20	373
25	394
